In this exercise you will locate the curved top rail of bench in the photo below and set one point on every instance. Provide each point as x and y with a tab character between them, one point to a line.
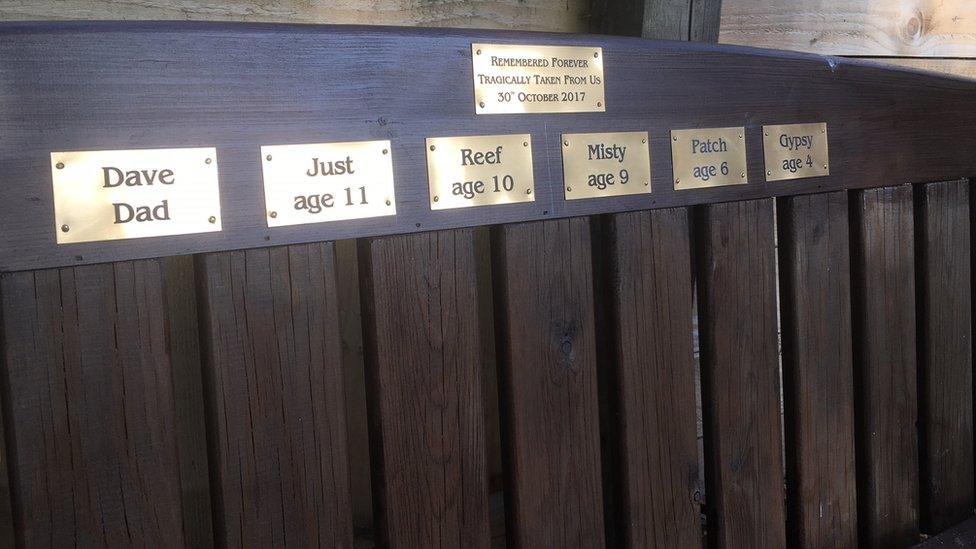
236	87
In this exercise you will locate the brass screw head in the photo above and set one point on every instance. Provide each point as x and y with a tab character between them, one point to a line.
528	191
268	158
59	165
65	228
213	219
386	151
436	198
432	147
208	161
273	215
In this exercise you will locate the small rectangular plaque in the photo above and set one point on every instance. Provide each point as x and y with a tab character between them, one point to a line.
708	157
606	164
320	182
114	195
479	170
795	151
537	79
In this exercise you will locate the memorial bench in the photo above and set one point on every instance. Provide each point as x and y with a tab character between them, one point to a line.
171	291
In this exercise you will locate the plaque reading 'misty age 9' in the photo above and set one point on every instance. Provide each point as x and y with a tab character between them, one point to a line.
708	157
795	151
114	195
479	170
327	182
606	164
537	79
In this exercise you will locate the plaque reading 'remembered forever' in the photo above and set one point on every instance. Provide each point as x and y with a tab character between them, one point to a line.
605	164
479	170
327	182
708	157
537	79
113	195
795	151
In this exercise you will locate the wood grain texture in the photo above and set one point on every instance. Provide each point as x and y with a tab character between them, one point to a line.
75	86
818	384
944	280
651	366
960	535
542	277
427	422
740	375
885	394
89	409
943	28
546	15
274	392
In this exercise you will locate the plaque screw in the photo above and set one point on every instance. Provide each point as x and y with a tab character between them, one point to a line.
742	175
432	147
481	104
769	173
565	143
599	103
823	130
525	143
646	183
64	228
766	134
268	158
388	202
569	189
208	161
677	181
386	151
272	214
596	54
436	198
212	218
60	166
528	191
478	52
674	138
740	136
825	166
643	141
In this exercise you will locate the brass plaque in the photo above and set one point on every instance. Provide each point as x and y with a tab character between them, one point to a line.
537	79
327	182
606	164
795	151
479	170
113	195
708	157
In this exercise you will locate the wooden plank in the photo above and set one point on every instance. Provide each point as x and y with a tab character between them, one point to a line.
960	535
943	28
425	390
273	383
944	278
740	375
74	70
89	407
814	271
546	344
650	366
885	388
963	68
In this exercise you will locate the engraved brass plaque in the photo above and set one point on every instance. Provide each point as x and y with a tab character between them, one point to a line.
327	182
479	170
795	151
114	195
708	157
537	79
605	164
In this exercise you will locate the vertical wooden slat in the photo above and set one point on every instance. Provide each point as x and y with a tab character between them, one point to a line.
740	375
90	410
814	269
943	275
883	289
274	389
650	364
423	357
544	296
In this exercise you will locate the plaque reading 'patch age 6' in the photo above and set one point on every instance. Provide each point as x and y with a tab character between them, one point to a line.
795	151
708	157
479	170
327	182
537	79
113	195
605	164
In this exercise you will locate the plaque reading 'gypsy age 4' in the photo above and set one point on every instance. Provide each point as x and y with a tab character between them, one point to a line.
606	164
114	195
795	151
537	79
327	182
479	170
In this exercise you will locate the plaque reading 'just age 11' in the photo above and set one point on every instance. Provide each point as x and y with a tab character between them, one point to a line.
795	151
537	79
708	157
327	182
479	170
114	195
605	164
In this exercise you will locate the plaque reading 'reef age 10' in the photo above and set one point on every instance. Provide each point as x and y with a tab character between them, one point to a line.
605	164
313	183
795	151
708	157
114	195
537	79
479	170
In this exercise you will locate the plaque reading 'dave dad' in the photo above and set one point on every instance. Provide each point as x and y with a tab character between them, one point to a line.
795	151
537	79
708	157
606	164
112	195
479	170
327	182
